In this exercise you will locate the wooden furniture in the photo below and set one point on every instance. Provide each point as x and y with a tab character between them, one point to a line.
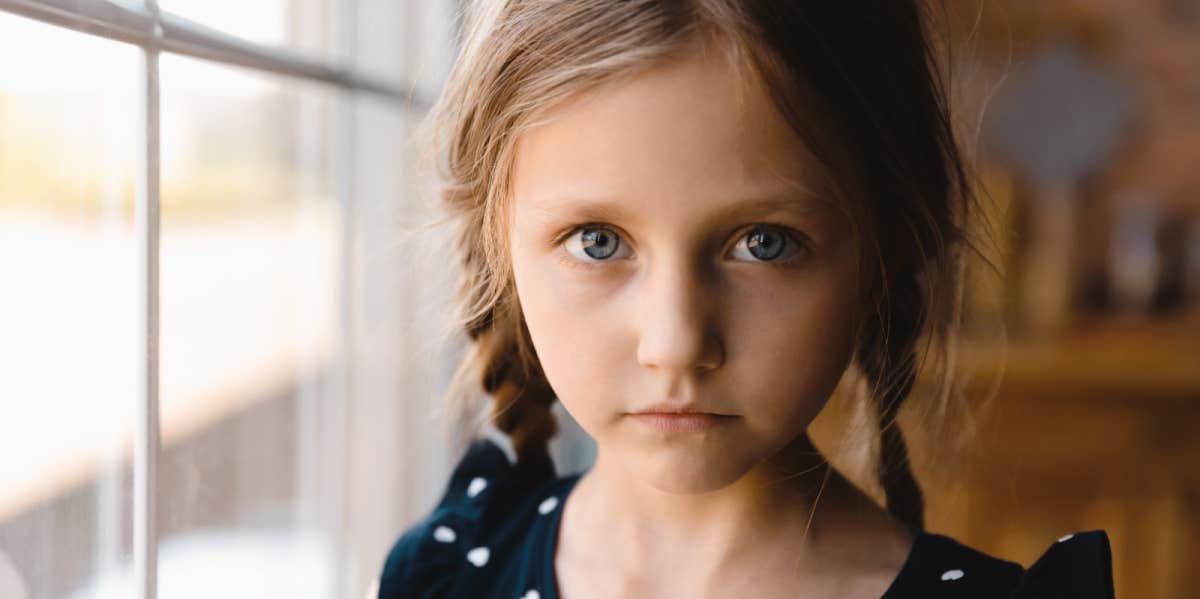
1098	427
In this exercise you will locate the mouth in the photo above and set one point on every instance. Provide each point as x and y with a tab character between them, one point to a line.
678	409
676	422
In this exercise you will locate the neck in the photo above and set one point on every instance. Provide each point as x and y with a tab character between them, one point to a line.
775	502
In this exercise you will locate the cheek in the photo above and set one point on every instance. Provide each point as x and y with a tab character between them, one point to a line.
792	345
575	329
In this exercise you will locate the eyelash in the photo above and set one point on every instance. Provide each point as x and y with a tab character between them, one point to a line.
796	237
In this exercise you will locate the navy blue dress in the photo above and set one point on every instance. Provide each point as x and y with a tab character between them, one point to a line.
493	532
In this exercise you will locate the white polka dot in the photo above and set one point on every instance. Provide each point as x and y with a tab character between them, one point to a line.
952	574
478	556
477	485
548	505
531	594
1066	537
444	534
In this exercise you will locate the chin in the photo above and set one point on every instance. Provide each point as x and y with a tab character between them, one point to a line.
685	471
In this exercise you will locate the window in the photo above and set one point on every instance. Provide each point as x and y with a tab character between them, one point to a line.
211	336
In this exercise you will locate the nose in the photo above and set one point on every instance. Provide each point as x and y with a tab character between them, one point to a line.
677	333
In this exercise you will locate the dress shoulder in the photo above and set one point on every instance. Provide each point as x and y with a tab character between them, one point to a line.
428	556
1076	565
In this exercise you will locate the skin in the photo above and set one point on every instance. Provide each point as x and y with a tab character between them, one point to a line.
680	163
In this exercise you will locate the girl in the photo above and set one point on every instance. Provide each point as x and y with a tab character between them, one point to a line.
685	220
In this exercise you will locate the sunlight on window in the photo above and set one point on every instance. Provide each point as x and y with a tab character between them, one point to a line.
68	142
261	21
300	25
298	352
248	285
250	273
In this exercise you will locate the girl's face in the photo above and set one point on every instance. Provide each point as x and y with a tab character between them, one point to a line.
670	243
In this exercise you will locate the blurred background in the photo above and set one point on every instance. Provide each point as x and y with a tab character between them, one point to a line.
1087	116
298	365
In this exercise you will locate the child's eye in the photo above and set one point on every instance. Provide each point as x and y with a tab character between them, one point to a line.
766	243
594	244
591	243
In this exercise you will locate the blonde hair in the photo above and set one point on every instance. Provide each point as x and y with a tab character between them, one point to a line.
858	83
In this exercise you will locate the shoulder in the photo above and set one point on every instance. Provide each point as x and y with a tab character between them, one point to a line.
1074	565
475	528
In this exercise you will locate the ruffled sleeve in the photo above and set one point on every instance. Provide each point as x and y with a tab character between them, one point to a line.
1077	565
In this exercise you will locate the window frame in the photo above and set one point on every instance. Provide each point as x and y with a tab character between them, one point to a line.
156	32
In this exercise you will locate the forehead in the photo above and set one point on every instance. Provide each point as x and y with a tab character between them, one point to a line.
697	127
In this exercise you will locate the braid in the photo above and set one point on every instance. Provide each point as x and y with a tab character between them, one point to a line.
887	357
521	395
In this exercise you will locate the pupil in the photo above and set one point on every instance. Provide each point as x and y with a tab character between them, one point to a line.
598	244
765	245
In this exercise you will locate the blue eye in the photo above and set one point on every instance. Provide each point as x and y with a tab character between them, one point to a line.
590	244
768	244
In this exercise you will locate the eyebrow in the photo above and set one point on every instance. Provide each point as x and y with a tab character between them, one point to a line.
604	208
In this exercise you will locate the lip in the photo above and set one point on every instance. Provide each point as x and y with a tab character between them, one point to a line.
677	409
675	417
682	422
